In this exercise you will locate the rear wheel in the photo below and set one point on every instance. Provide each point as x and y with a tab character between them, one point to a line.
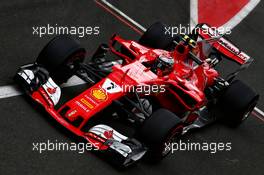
60	57
156	37
158	132
237	102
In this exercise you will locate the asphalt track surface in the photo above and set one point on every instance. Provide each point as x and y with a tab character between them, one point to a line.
21	125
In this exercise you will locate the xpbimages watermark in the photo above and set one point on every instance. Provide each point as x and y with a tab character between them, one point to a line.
79	31
49	146
212	147
184	30
144	89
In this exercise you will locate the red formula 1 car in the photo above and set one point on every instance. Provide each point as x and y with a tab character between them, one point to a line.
152	90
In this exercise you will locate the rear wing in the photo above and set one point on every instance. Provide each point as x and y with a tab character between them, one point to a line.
223	45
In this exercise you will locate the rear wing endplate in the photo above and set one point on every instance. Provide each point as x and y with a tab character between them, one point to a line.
223	45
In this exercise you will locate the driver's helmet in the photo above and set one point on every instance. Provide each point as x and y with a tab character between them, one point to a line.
164	64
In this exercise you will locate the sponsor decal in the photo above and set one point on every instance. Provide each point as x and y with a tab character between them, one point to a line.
111	87
72	113
234	49
108	134
84	107
91	100
96	137
51	90
99	94
89	105
228	45
46	96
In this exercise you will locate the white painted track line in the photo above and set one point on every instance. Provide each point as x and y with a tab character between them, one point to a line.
193	13
9	91
119	12
12	90
234	21
244	12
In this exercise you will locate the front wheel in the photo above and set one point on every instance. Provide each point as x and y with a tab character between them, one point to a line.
158	132
60	56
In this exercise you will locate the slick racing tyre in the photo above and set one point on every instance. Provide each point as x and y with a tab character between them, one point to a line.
158	131
60	56
156	37
236	103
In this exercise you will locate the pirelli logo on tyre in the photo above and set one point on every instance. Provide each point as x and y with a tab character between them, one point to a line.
99	94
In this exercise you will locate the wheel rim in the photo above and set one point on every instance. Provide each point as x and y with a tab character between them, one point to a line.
250	109
246	115
75	58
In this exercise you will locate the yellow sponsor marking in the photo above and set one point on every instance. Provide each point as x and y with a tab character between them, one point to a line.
99	94
89	105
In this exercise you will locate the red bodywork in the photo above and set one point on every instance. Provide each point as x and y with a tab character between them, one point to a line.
185	86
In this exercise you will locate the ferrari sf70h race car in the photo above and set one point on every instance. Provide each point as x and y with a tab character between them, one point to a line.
141	95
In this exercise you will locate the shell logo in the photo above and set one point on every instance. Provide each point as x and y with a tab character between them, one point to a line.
99	94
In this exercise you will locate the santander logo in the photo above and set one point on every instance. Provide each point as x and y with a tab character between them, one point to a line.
224	13
109	134
51	90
